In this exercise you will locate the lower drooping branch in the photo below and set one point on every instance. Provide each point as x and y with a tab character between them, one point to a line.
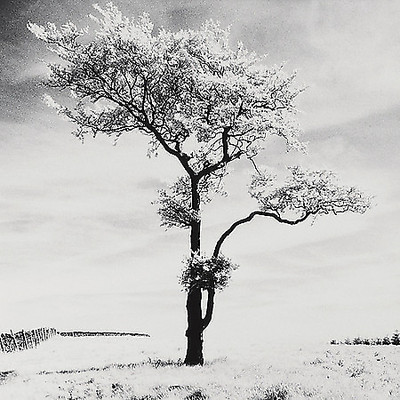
239	222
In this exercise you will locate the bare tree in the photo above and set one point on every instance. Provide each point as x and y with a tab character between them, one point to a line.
205	104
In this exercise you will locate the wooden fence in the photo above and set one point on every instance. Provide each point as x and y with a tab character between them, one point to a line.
23	340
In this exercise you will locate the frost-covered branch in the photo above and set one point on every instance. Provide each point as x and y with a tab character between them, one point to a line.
206	273
312	192
175	203
196	97
305	193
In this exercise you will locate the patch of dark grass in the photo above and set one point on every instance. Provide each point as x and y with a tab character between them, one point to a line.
274	392
196	395
5	376
156	363
186	392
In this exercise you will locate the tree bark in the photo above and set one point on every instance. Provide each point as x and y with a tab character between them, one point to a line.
194	332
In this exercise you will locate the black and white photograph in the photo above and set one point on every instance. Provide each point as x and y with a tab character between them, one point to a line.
199	200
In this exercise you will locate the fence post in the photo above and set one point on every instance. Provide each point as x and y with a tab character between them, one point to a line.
28	339
3	347
24	338
35	336
24	334
14	340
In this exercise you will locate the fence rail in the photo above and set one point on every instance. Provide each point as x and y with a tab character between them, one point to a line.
24	340
88	333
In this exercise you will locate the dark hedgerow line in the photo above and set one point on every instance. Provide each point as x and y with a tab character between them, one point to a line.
87	333
393	340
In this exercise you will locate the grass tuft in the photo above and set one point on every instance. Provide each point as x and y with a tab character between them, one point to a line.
275	392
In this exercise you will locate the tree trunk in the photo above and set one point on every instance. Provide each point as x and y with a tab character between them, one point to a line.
194	332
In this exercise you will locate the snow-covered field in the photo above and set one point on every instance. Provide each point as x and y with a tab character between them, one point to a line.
127	368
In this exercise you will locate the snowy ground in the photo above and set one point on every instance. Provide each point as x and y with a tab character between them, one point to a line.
109	368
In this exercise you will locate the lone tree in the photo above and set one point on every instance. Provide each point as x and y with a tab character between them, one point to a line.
204	103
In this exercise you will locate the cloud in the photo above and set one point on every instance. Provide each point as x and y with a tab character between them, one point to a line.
362	152
354	60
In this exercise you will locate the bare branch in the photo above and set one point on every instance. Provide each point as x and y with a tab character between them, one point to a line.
239	222
255	165
210	308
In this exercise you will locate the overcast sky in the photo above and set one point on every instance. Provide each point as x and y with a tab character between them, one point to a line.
80	242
